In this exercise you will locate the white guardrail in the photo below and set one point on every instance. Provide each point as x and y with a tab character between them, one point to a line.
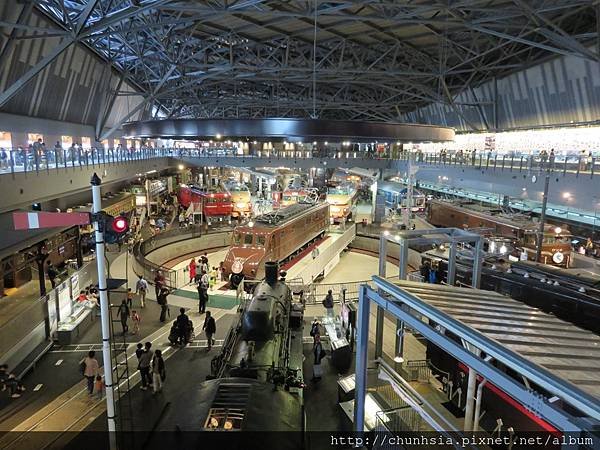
327	259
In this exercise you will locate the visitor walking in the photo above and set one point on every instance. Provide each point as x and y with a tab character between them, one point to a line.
159	282
210	328
319	354
183	323
137	320
328	303
192	269
52	274
144	366
164	304
123	314
141	287
89	366
159	373
202	287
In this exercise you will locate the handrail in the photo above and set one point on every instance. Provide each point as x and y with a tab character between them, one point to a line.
541	376
15	160
146	268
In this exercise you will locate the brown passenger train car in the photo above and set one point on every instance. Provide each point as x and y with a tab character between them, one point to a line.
273	237
556	243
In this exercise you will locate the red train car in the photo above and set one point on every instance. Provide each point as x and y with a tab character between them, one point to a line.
216	205
273	237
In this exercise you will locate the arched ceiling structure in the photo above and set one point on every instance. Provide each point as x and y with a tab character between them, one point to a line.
331	59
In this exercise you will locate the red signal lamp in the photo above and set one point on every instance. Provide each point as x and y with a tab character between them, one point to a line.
120	224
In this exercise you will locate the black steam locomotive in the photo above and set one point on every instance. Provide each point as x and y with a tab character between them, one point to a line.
256	381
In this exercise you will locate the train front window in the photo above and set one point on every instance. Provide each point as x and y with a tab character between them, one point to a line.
237	238
260	240
248	238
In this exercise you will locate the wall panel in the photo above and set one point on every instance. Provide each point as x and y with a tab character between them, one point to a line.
562	90
70	89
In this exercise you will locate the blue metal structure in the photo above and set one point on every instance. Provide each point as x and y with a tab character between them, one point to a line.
400	300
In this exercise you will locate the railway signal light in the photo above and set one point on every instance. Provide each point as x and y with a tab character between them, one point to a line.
114	228
119	224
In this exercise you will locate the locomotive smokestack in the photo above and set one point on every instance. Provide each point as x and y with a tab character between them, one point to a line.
271	272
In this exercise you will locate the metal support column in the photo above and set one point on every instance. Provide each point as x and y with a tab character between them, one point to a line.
104	312
451	265
380	312
362	347
478	405
403	259
469	399
540	234
403	266
477	263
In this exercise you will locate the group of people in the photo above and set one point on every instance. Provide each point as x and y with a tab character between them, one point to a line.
90	369
151	366
182	330
126	310
204	279
430	272
589	249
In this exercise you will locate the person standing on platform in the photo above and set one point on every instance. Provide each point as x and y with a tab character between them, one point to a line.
139	351
136	319
424	271
203	292
183	322
433	274
144	366
192	269
204	263
99	386
328	303
141	287
129	298
210	328
164	304
212	279
319	354
123	314
90	370
52	274
159	282
159	373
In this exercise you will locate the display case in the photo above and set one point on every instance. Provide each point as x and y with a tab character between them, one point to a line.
76	323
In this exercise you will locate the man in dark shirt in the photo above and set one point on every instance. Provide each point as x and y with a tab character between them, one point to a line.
210	328
183	323
52	274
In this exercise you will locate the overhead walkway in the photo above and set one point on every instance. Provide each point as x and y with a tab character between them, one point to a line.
27	178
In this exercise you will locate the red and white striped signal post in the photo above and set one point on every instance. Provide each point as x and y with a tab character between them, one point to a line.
35	220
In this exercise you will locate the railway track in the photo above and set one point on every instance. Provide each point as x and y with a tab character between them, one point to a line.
74	410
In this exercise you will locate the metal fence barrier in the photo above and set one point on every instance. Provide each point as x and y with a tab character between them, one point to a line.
174	279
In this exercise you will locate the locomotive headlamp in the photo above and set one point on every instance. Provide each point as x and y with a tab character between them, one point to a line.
558	230
250	224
